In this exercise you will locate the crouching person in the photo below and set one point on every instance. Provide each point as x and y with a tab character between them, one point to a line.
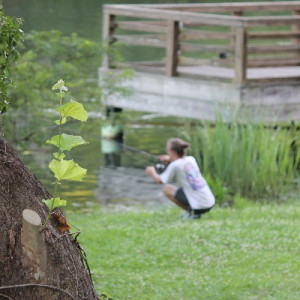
190	192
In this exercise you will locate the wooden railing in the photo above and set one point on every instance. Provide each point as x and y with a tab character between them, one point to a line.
232	36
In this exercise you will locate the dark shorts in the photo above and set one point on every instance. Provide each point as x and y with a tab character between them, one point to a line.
181	197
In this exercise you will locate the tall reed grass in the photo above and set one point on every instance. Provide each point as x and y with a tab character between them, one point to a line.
249	159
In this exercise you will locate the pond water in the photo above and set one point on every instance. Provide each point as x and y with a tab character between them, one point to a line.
116	175
83	17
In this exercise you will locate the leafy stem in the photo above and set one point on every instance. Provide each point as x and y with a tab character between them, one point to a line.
52	203
60	124
62	168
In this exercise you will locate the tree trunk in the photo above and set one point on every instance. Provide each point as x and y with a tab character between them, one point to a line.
56	270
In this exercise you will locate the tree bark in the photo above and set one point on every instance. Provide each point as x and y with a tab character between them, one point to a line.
66	276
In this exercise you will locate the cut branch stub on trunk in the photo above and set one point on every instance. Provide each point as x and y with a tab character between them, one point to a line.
33	243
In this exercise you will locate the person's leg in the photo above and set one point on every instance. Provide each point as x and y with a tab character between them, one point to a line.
170	191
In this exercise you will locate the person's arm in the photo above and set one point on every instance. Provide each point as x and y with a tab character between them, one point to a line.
152	172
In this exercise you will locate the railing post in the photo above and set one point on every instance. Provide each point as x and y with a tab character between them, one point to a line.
240	56
172	47
233	29
107	33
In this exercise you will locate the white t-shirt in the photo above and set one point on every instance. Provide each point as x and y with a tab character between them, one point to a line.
185	173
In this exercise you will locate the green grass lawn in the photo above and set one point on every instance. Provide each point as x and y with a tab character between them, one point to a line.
250	252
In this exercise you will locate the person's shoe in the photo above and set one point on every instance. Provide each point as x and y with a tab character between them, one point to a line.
185	215
194	217
190	216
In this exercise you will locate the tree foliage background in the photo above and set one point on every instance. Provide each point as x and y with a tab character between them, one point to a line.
10	38
47	56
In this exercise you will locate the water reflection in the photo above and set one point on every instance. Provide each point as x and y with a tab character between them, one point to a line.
112	152
125	186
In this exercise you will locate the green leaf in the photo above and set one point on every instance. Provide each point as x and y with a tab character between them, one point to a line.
59	156
60	85
67	142
74	110
54	202
61	122
67	170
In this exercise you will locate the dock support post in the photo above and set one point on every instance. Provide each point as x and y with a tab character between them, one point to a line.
108	29
240	56
172	48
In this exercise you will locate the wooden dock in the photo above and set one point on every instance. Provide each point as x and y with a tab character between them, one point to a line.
237	59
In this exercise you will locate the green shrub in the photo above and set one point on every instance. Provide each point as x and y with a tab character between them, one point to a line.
49	55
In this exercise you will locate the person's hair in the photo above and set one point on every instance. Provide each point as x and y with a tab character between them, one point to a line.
179	146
